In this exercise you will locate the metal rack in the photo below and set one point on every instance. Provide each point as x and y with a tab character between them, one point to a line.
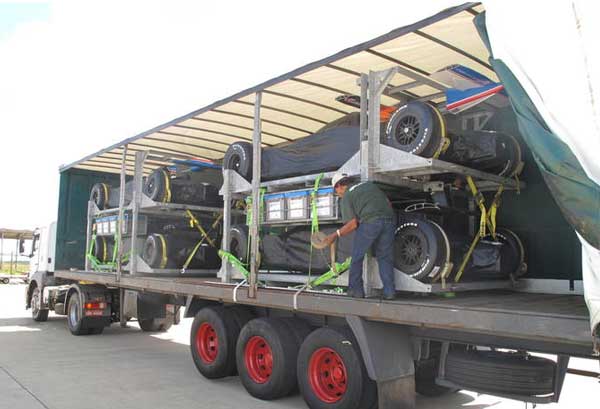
141	204
374	162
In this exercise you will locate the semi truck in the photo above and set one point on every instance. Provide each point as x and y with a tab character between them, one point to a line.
282	331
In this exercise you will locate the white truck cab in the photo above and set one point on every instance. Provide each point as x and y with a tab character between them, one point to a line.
43	249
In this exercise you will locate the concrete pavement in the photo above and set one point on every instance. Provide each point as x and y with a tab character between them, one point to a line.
43	366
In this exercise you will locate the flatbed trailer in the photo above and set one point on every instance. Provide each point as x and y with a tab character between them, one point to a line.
5	278
550	323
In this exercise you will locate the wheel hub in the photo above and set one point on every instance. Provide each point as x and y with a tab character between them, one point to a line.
408	130
327	375
207	343
258	358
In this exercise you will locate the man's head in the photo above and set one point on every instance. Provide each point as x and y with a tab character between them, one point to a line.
340	182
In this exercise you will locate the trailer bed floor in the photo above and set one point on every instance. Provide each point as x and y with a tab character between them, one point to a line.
554	323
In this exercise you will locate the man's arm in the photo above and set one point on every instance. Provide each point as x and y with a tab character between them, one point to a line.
342	231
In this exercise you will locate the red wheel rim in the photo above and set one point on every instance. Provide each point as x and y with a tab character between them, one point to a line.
258	358
207	343
327	375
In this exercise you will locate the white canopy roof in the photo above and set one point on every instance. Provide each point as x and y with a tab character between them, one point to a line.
302	101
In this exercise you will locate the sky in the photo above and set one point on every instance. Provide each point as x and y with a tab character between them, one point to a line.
77	76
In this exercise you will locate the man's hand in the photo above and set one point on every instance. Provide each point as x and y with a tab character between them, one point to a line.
330	239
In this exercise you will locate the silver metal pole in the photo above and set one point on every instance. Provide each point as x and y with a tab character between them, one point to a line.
225	268
88	235
256	165
122	183
2	251
140	157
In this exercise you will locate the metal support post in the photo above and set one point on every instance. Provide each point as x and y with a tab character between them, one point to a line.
121	214
256	165
370	151
2	251
88	234
140	157
225	267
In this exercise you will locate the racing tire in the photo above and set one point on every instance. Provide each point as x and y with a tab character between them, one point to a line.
331	371
38	314
154	251
99	195
501	372
419	249
267	354
239	158
238	242
213	341
411	129
156	185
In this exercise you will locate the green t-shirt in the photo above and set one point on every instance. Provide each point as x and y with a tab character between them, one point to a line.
366	202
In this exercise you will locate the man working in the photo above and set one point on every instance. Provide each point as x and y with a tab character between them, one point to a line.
366	209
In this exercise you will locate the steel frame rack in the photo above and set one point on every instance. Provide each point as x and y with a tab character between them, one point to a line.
374	162
141	204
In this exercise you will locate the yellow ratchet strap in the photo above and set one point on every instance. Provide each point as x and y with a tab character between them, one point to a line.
164	259
167	198
480	200
197	246
105	188
104	255
194	222
445	142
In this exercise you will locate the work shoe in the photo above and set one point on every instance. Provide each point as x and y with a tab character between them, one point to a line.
356	294
389	297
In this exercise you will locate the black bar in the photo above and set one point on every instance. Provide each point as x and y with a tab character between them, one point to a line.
453	48
220	111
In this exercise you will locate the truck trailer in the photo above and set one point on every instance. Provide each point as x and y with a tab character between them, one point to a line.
476	319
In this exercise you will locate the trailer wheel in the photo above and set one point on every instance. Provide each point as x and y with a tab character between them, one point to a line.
267	353
212	342
501	372
331	372
37	313
75	316
410	128
300	328
239	158
156	324
5	280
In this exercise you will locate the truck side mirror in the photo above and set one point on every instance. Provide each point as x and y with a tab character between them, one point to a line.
22	247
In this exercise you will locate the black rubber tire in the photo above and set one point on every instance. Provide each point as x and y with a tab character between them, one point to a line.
95	331
75	316
39	315
512	253
411	128
284	348
501	372
156	324
99	195
156	185
242	314
103	248
5	280
238	242
227	331
361	391
419	248
153	250
239	158
299	327
425	373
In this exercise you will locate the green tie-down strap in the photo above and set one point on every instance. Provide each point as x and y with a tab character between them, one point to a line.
228	257
313	205
331	274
